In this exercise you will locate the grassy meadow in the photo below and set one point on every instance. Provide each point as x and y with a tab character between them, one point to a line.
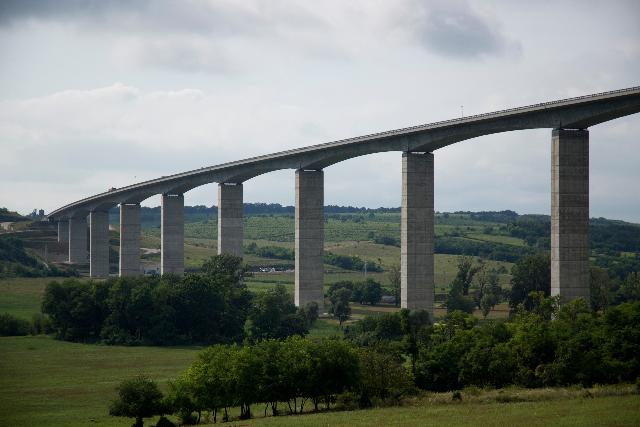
55	383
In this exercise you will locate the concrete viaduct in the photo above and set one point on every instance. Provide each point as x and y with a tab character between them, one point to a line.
569	120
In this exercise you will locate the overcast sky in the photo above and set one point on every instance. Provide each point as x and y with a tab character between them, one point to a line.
97	94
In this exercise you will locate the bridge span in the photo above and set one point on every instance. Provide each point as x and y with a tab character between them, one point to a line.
569	120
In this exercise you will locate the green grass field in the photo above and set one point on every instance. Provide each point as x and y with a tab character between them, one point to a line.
54	383
604	411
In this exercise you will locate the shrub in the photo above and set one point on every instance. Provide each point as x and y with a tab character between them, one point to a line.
11	326
138	398
41	324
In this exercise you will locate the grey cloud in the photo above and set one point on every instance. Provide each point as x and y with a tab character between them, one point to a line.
184	35
163	16
453	30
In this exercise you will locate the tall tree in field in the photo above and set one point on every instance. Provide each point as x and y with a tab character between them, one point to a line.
340	308
466	271
138	398
532	273
395	281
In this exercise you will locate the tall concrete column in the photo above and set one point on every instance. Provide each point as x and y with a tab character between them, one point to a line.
78	240
129	239
99	244
416	232
63	231
309	244
172	234
230	227
570	214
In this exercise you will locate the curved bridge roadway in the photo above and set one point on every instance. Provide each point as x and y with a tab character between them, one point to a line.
569	119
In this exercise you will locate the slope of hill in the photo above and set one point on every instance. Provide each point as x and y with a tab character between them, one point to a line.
8	216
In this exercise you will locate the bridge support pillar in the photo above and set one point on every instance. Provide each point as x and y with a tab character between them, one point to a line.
99	244
309	238
63	231
78	240
129	239
230	227
570	214
172	234
417	232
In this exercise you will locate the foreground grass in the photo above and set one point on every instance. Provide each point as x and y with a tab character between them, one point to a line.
602	411
55	383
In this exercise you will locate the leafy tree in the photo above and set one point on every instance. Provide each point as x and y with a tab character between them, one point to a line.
273	377
383	377
438	364
367	292
227	268
456	300
394	280
296	356
273	315
334	369
245	370
310	312
621	327
183	399
466	272
532	273
629	290
138	398
488	361
340	307
488	301
75	314
600	288
415	325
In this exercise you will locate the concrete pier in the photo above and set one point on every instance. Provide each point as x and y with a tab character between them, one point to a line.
172	234
99	244
570	214
309	238
129	239
78	240
63	231
417	232
230	217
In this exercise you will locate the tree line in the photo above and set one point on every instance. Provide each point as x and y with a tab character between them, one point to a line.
383	358
282	376
213	306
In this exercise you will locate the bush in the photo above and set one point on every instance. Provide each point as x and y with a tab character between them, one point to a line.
41	324
11	326
138	398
